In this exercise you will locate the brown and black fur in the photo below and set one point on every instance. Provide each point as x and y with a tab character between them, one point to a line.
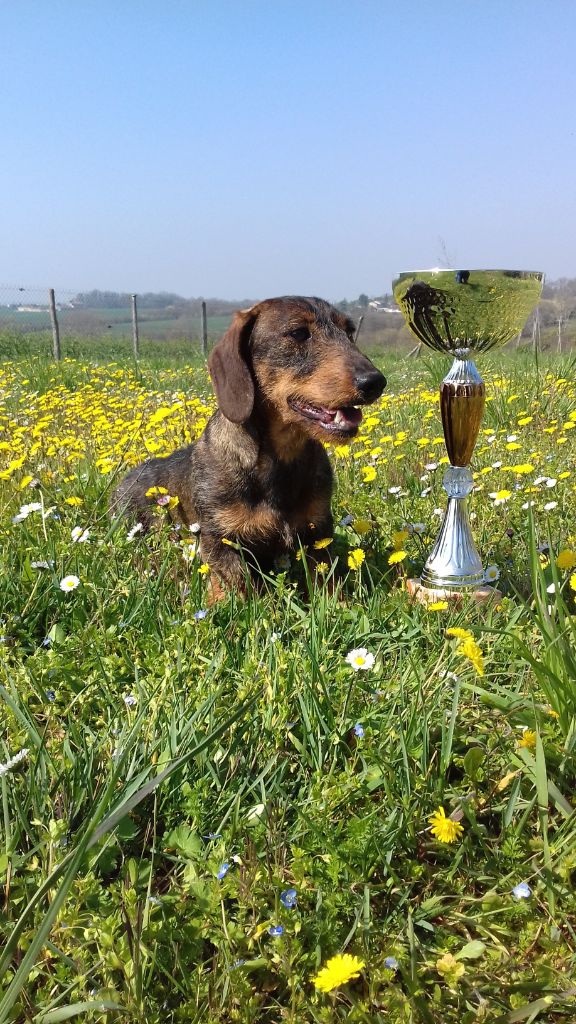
259	475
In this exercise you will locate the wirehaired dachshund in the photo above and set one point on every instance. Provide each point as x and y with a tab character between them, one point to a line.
288	377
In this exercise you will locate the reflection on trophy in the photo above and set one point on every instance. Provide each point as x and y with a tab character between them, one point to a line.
462	312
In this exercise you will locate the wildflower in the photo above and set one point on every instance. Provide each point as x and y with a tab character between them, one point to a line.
355	558
550	505
322	567
194	527
360	658
522	891
135	529
566	559
438	606
443	828
528	740
470	649
500	497
368	473
50	696
275	931
450	968
69	583
200	614
457	631
418	528
13	761
204	569
362	526
346	520
74	501
399	538
42	565
154	492
551	588
80	536
359	730
394	490
323	543
130	700
338	971
491	574
396	557
223	871
289	898
391	963
573	581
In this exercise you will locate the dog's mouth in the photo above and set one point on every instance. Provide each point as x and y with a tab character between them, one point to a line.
344	421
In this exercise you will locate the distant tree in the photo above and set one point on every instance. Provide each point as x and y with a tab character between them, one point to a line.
363	301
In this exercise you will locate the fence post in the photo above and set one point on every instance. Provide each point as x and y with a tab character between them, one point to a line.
358	327
135	338
55	329
204	331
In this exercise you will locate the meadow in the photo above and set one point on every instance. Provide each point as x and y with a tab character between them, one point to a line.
348	808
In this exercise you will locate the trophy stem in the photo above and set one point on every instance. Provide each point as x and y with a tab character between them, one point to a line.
454	562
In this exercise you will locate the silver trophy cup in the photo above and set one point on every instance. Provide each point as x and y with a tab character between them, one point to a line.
462	312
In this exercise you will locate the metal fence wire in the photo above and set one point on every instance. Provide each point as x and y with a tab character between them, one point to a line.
60	313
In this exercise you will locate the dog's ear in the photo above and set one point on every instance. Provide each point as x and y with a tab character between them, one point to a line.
229	370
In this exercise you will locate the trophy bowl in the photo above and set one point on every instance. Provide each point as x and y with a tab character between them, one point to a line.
462	312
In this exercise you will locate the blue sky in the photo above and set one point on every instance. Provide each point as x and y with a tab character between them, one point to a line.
248	149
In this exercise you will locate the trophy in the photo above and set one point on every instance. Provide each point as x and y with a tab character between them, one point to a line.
462	312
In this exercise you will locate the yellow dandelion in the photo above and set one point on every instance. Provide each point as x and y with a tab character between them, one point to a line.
362	526
528	740
399	538
322	567
73	501
337	971
566	559
470	649
355	558
368	474
438	606
152	492
444	829
323	543
396	557
457	631
573	581
204	569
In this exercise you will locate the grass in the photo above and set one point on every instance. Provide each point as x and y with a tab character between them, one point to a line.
184	771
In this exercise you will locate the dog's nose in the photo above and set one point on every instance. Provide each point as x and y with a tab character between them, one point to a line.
370	384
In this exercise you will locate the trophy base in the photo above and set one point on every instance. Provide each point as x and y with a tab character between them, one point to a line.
428	595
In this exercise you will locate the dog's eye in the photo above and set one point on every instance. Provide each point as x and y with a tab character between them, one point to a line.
300	334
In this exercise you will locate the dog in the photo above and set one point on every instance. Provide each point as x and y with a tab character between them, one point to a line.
288	377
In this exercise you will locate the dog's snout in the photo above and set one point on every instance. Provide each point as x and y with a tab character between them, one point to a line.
370	384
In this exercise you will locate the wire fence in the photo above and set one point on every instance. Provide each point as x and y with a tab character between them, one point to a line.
59	314
105	324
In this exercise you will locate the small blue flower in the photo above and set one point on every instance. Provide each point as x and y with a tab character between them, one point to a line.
50	696
237	963
275	930
130	700
47	641
223	870
359	730
291	725
212	835
522	891
200	614
289	898
391	963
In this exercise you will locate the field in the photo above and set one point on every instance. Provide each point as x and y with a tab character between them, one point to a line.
203	806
